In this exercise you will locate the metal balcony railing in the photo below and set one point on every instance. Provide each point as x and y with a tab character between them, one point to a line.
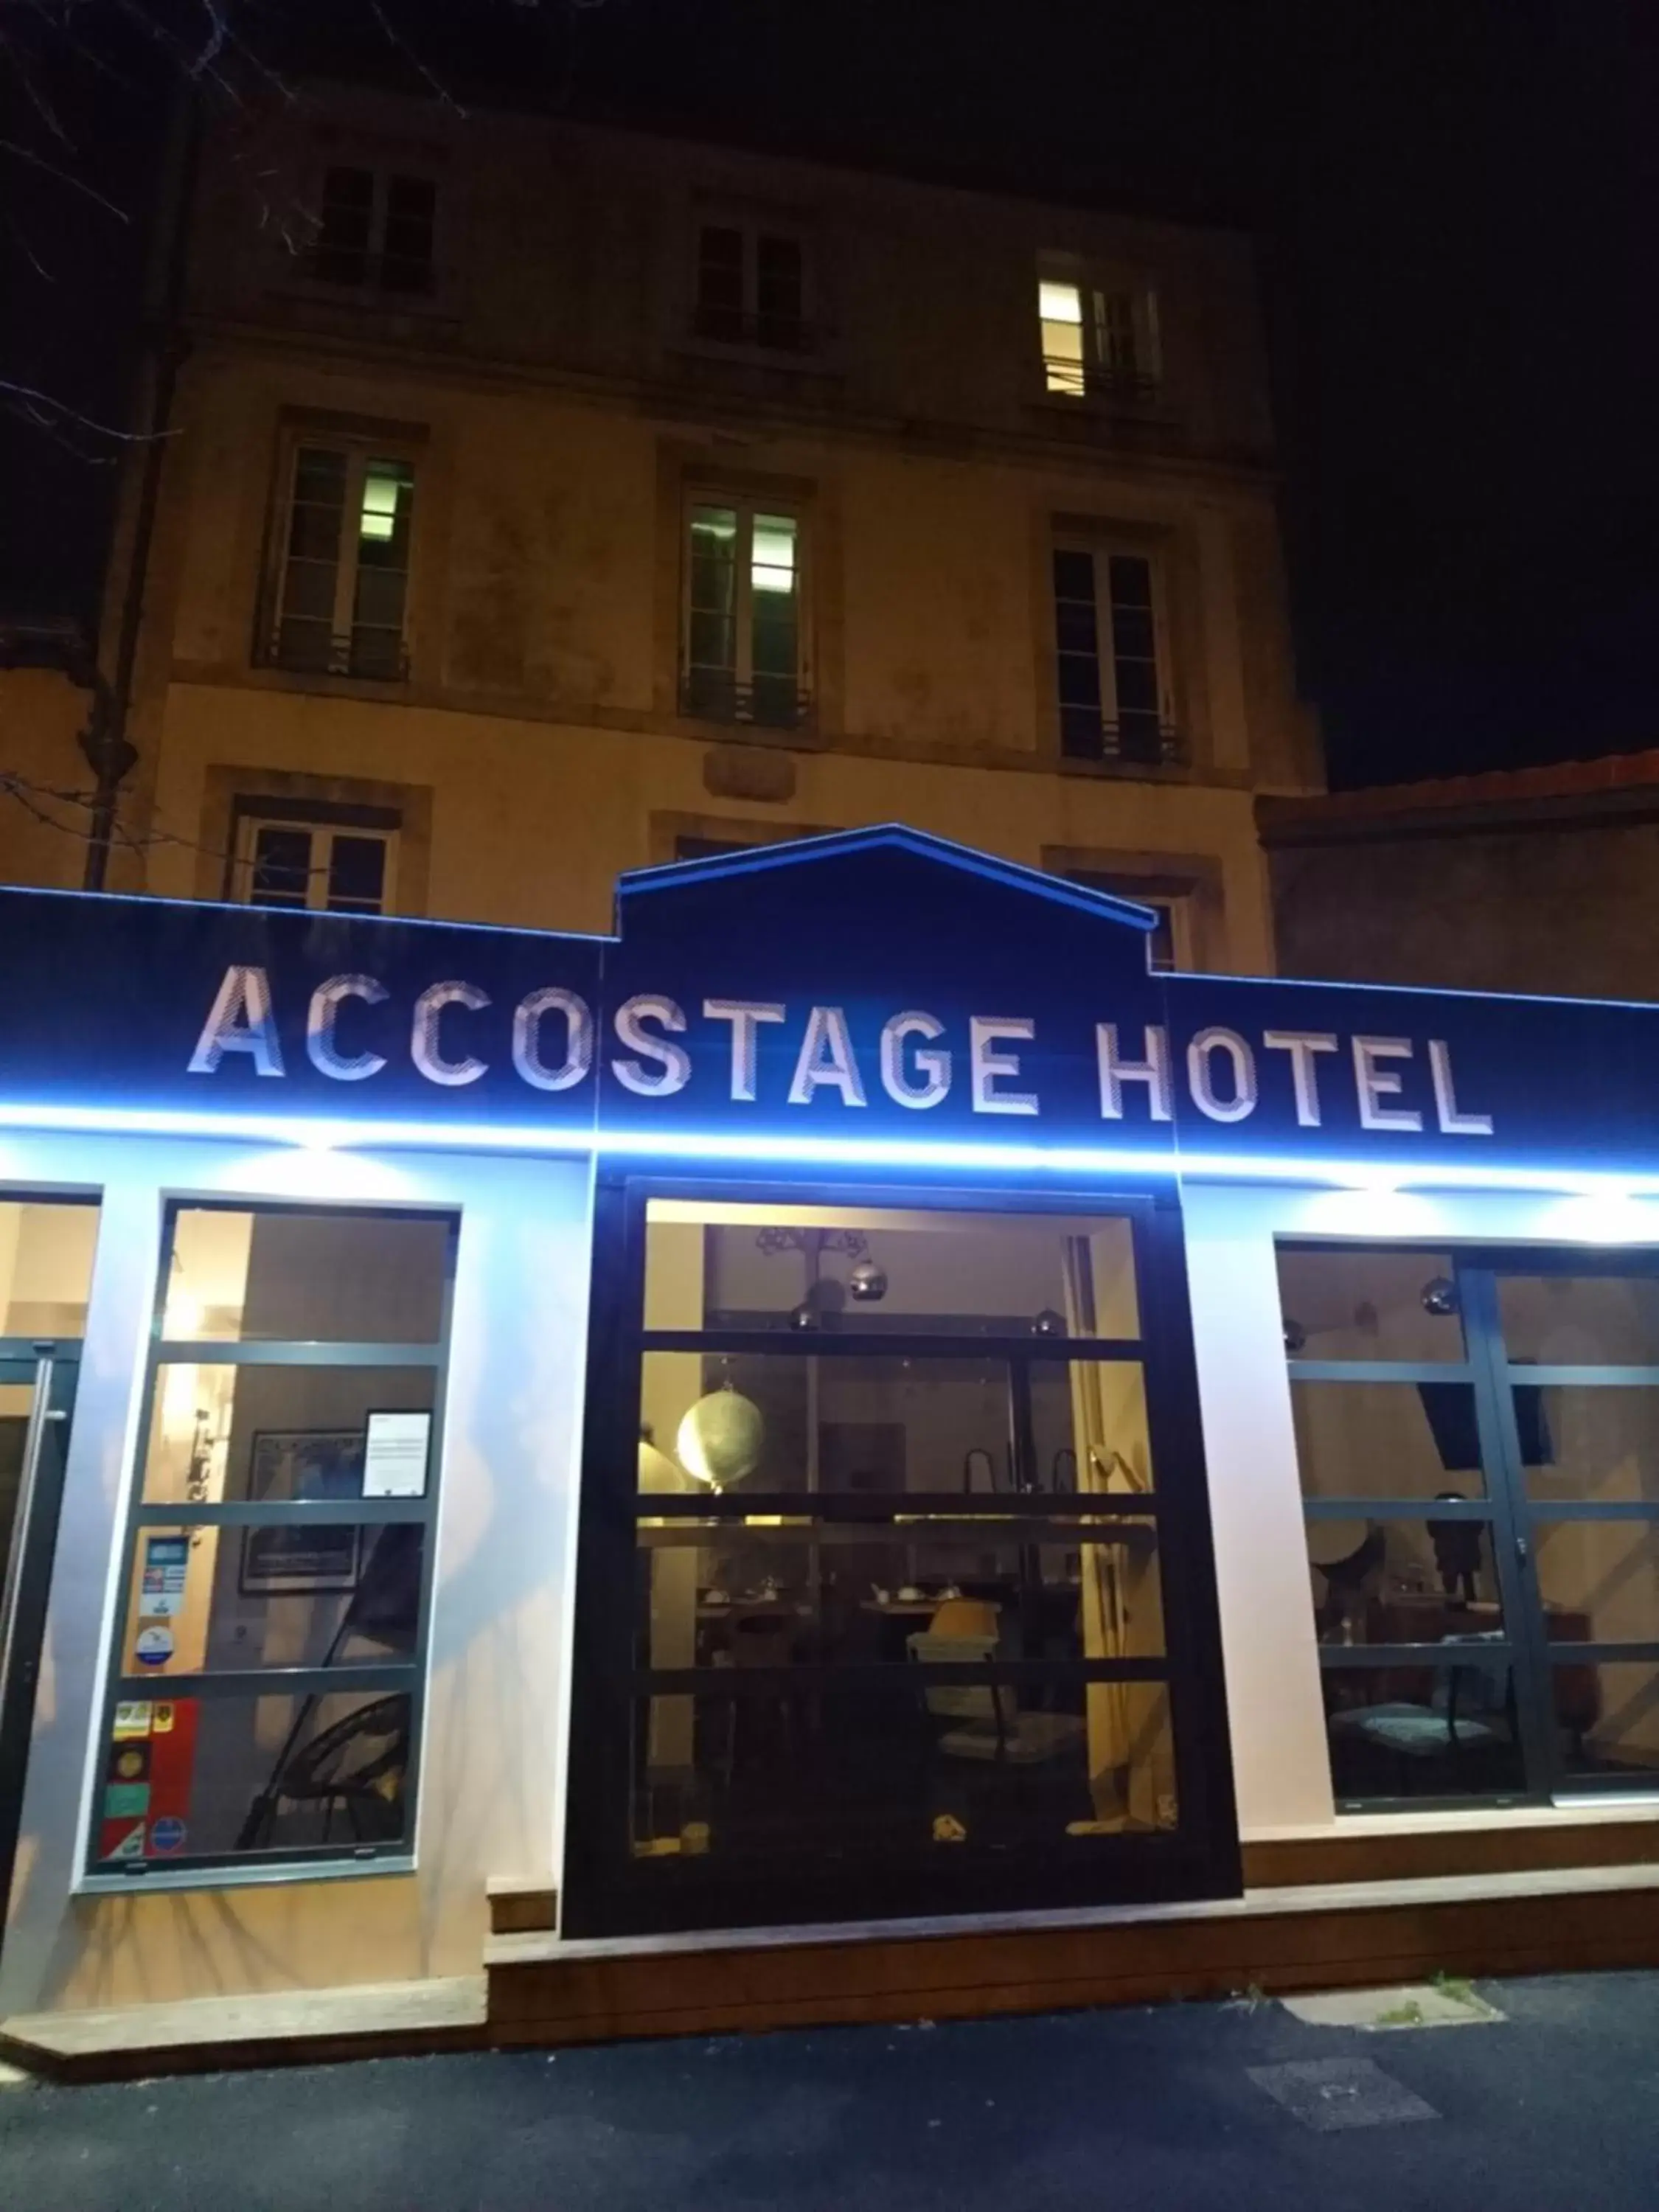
767	702
765	333
1093	380
378	656
1134	740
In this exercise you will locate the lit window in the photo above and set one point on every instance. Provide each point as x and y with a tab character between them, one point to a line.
262	1704
742	657
375	229
1111	673
324	866
342	591
1098	338
750	287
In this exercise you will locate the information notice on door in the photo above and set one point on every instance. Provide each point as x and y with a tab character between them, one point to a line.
395	1455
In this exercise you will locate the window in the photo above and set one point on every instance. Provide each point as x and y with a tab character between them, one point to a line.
880	1588
375	229
1478	1435
341	589
743	651
330	868
750	287
267	1677
1168	948
1111	670
1098	339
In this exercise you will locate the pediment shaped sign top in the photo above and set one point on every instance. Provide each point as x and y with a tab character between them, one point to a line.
879	970
889	894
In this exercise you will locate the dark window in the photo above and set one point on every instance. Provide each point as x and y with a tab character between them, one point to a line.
346	226
1108	677
751	289
314	864
376	229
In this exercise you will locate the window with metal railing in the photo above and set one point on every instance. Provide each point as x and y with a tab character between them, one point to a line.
1099	340
1111	658
742	657
340	589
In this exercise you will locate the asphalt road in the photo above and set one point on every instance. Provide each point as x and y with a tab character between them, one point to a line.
1184	2107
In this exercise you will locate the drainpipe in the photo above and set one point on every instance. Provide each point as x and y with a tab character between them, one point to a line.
109	752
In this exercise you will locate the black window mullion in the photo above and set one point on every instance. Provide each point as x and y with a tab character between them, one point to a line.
893	1674
866	1345
889	1507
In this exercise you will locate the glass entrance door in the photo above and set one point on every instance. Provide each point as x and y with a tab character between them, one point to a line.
1478	1435
37	1396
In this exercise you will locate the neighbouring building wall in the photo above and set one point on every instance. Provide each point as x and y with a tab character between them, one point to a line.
42	834
491	1776
1560	895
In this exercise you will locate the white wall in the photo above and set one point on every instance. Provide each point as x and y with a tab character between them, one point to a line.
490	1786
1280	1767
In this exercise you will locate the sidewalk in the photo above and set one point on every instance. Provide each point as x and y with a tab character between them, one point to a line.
1241	2106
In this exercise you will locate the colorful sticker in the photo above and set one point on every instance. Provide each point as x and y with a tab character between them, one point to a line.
125	1799
119	1840
131	1720
167	1835
166	1563
130	1762
153	1647
162	1723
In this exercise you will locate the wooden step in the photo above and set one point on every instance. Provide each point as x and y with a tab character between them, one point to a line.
1307	1937
519	1906
1357	1851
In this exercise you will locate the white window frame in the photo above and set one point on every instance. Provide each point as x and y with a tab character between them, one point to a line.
380	174
1177	906
747	507
1096	374
244	859
752	228
1100	552
358	452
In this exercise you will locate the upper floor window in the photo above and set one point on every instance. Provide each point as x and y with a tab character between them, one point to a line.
1099	338
1112	657
339	597
1169	943
330	868
750	287
742	656
375	228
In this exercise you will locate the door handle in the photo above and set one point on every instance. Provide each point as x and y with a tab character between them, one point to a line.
1522	1550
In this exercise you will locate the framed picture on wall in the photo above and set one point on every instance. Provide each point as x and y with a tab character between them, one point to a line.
298	1558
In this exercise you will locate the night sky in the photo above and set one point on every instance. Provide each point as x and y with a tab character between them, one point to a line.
1458	202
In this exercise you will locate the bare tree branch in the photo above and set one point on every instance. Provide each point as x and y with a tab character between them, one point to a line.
63	176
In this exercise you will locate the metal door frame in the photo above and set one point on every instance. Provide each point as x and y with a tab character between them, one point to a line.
52	1366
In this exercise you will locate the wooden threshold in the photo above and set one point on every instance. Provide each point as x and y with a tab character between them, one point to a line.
1303	1936
285	2027
1386	1852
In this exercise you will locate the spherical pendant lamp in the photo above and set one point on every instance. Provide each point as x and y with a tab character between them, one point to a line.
720	1438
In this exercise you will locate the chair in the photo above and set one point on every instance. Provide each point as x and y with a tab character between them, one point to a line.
1438	1730
357	1765
977	1703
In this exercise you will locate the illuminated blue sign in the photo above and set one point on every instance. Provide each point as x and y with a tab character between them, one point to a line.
876	995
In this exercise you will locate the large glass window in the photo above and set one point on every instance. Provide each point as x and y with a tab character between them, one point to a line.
742	657
264	1693
899	1549
1479	1445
